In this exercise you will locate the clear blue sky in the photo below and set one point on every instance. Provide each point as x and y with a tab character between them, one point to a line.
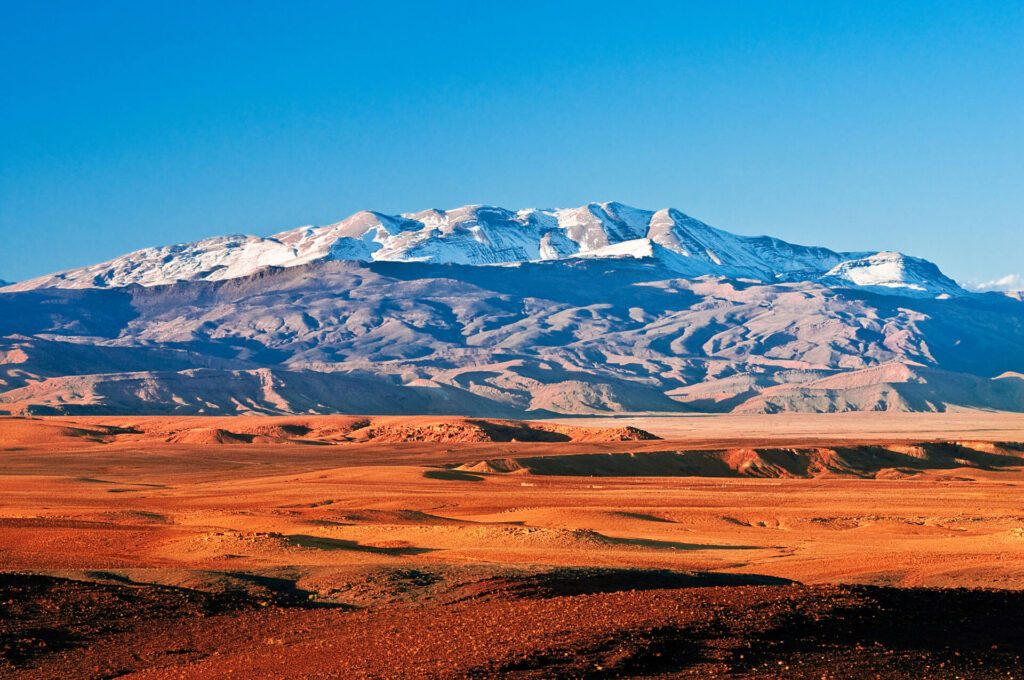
854	125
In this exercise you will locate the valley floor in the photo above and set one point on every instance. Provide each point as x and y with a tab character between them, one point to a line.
189	548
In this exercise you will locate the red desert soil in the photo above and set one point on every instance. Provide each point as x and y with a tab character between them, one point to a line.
309	546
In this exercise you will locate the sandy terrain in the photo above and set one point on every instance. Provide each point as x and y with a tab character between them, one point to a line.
532	549
858	426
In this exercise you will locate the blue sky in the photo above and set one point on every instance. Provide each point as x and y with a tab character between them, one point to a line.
854	125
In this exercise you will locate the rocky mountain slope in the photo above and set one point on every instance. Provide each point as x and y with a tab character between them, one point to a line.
485	312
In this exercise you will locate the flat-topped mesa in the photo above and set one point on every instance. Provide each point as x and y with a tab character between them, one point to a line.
488	235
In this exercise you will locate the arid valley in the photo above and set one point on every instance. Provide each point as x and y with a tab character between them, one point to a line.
534	340
800	545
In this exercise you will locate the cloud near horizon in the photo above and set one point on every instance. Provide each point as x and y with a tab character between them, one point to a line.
1008	282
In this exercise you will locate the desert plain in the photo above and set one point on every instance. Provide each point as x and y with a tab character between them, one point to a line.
839	545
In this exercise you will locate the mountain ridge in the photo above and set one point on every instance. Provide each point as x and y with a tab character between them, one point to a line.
577	335
490	235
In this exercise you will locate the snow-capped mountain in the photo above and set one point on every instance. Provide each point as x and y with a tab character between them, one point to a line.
486	311
888	271
483	235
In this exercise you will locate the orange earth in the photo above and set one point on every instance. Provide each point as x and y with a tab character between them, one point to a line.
342	546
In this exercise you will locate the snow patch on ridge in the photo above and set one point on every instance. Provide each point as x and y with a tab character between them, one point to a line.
639	248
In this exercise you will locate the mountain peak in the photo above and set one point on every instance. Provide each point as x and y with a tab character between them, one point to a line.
886	270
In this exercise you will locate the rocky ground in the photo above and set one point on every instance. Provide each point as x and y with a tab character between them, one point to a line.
295	549
567	625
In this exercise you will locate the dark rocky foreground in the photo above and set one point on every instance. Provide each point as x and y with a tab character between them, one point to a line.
567	623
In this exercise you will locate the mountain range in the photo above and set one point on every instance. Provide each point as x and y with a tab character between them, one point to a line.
487	311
